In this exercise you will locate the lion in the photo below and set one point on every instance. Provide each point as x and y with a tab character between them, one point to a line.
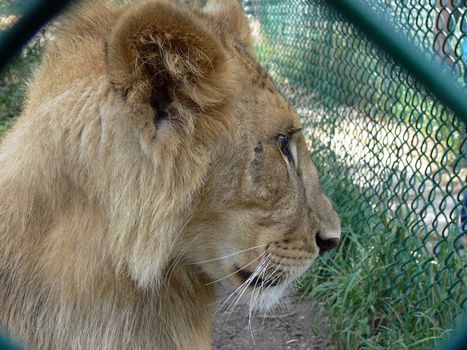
153	164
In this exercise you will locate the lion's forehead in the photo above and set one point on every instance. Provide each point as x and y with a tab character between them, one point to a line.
257	76
268	103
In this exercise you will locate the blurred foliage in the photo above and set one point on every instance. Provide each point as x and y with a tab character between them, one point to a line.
14	78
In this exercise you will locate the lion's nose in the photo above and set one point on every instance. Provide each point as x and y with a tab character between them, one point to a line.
325	244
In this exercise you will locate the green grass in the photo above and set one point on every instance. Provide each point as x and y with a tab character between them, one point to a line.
355	285
4	124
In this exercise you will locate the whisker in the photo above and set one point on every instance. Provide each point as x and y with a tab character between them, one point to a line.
255	294
238	288
298	283
278	272
249	280
241	290
234	303
177	260
260	273
247	283
230	296
272	279
227	256
233	273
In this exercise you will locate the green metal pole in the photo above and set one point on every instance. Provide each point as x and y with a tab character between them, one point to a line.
5	344
37	14
381	32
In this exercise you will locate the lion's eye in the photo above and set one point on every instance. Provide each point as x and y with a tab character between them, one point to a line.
283	141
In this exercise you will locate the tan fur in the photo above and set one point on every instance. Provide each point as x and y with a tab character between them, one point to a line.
144	168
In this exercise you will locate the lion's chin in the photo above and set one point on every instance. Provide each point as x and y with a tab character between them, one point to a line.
261	290
259	299
268	299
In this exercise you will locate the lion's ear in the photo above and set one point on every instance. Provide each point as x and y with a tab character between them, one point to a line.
160	54
231	13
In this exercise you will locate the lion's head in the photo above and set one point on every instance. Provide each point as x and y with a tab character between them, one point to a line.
258	217
151	140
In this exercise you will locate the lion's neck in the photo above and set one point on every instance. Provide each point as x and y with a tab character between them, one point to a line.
64	278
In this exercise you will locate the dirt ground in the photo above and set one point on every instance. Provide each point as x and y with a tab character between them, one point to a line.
293	327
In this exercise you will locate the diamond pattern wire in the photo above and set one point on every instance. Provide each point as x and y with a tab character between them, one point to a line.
377	136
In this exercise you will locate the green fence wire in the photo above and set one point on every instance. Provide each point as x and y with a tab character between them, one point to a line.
391	156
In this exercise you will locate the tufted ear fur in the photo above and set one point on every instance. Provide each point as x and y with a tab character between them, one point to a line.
231	13
176	80
161	55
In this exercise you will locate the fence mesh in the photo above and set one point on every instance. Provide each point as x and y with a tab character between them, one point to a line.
392	158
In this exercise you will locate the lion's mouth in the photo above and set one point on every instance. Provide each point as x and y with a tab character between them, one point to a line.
256	281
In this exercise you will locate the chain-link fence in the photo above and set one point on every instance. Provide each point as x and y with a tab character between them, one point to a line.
391	157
